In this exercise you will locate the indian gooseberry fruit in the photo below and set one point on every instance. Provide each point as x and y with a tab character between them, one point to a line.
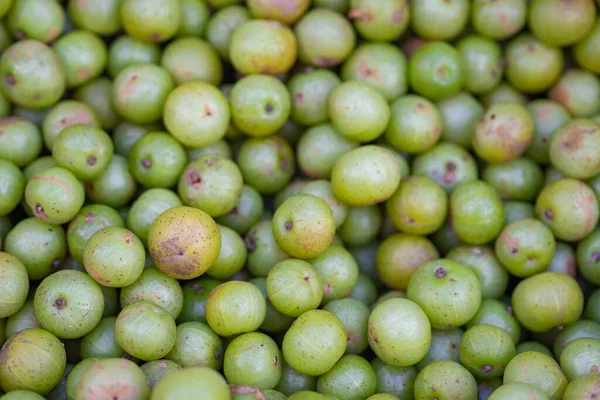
310	90
338	271
547	300
102	19
539	370
547	117
184	242
28	350
303	226
585	51
448	292
97	94
569	207
259	112
211	183
358	120
144	20
263	250
580	357
115	187
518	391
398	257
365	176
319	23
83	56
253	359
147	207
287	13
438	19
235	307
221	25
101	341
399	345
262	46
126	50
84	150
485	350
27	240
247	212
496	313
354	315
192	59
12	186
195	293
582	388
158	369
14	285
352	377
114	257
132	327
32	88
54	195
188	382
445	345
68	304
578	90
314	342
89	220
20	142
275	321
574	148
476	212
154	286
196	113
196	345
294	287
460	114
561	24
525	247
445	379
498	19
232	255
322	189
419	205
113	377
503	133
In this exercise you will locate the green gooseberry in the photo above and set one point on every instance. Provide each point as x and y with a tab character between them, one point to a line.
112	377
101	341
65	114
196	345
20	142
232	256
445	345
354	315
115	187
14	285
352	377
445	379
496	313
338	271
12	186
275	321
195	293
188	382
485	350
151	22
253	358
83	55
539	370
263	250
158	369
147	207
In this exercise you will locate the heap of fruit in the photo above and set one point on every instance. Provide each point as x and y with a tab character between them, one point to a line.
300	199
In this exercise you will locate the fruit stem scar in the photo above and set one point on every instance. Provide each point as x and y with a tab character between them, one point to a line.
595	257
288	225
146	163
38	210
269	107
549	214
91	160
60	303
250	244
487	368
440	273
10	79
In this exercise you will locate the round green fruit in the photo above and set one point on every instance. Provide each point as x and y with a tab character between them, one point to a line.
253	358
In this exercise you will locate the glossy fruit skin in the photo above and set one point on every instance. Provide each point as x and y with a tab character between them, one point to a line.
115	187
482	60
102	19
14	285
303	226
196	345
574	147
20	142
504	133
253	358
445	345
354	315
436	71
11	188
97	94
221	26
68	304
485	350
84	150
585	51
133	324
100	341
149	20
547	300
496	313
322	189
352	377
54	195
525	247
147	208
310	91
533	346
476	212
518	179
154	286
83	56
404	345
547	376
26	239
262	247
580	358
517	391
560	24
36	20
211	183
260	105
292	381
578	90
113	377
114	257
32	349
294	287
64	114
399	256
569	207
191	59
445	379
34	88
262	47
438	20
140	91
338	271
395	381
460	114
188	382
270	155
195	293
371	163
235	307
156	370
499	20
547	116
200	243
587	265
319	23
275	321
126	51
581	387
232	255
